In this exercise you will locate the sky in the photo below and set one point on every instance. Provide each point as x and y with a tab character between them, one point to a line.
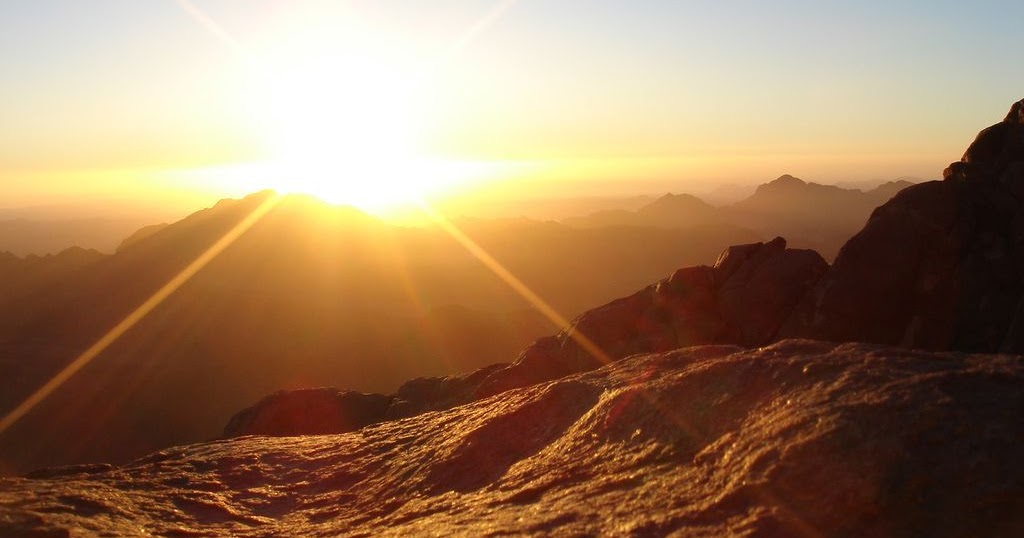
193	98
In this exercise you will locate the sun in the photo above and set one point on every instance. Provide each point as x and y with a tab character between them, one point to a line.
345	128
349	128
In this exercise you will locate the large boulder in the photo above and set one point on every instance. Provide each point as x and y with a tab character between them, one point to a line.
436	393
940	265
759	295
309	411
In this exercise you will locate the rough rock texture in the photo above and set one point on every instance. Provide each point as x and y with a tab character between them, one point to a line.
939	266
798	439
742	300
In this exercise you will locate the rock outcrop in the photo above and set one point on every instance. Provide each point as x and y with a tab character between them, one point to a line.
939	266
742	300
797	439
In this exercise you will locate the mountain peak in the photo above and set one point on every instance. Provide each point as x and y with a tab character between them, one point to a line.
783	184
676	201
1016	114
994	147
787	179
677	208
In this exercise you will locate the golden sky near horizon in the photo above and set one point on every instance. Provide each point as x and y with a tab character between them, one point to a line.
374	103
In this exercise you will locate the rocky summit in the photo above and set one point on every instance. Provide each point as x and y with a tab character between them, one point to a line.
800	438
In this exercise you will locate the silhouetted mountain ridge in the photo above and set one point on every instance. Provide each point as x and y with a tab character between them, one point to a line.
810	215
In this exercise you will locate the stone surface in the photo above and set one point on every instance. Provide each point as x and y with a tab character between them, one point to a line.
797	439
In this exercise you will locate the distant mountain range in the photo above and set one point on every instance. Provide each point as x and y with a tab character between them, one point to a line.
311	294
324	295
25	237
89	224
810	215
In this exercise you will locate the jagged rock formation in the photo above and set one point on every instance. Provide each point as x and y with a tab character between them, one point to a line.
796	439
743	299
939	266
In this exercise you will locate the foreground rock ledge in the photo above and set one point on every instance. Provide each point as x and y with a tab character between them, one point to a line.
800	438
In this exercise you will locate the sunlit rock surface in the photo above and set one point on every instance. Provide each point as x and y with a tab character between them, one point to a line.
797	439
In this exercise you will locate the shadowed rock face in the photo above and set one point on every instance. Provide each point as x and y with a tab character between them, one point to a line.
939	266
797	439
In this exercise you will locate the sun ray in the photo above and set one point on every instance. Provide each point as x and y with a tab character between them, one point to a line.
212	26
139	313
483	23
517	285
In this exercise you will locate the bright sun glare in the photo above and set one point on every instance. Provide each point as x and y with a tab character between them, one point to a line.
342	119
344	129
